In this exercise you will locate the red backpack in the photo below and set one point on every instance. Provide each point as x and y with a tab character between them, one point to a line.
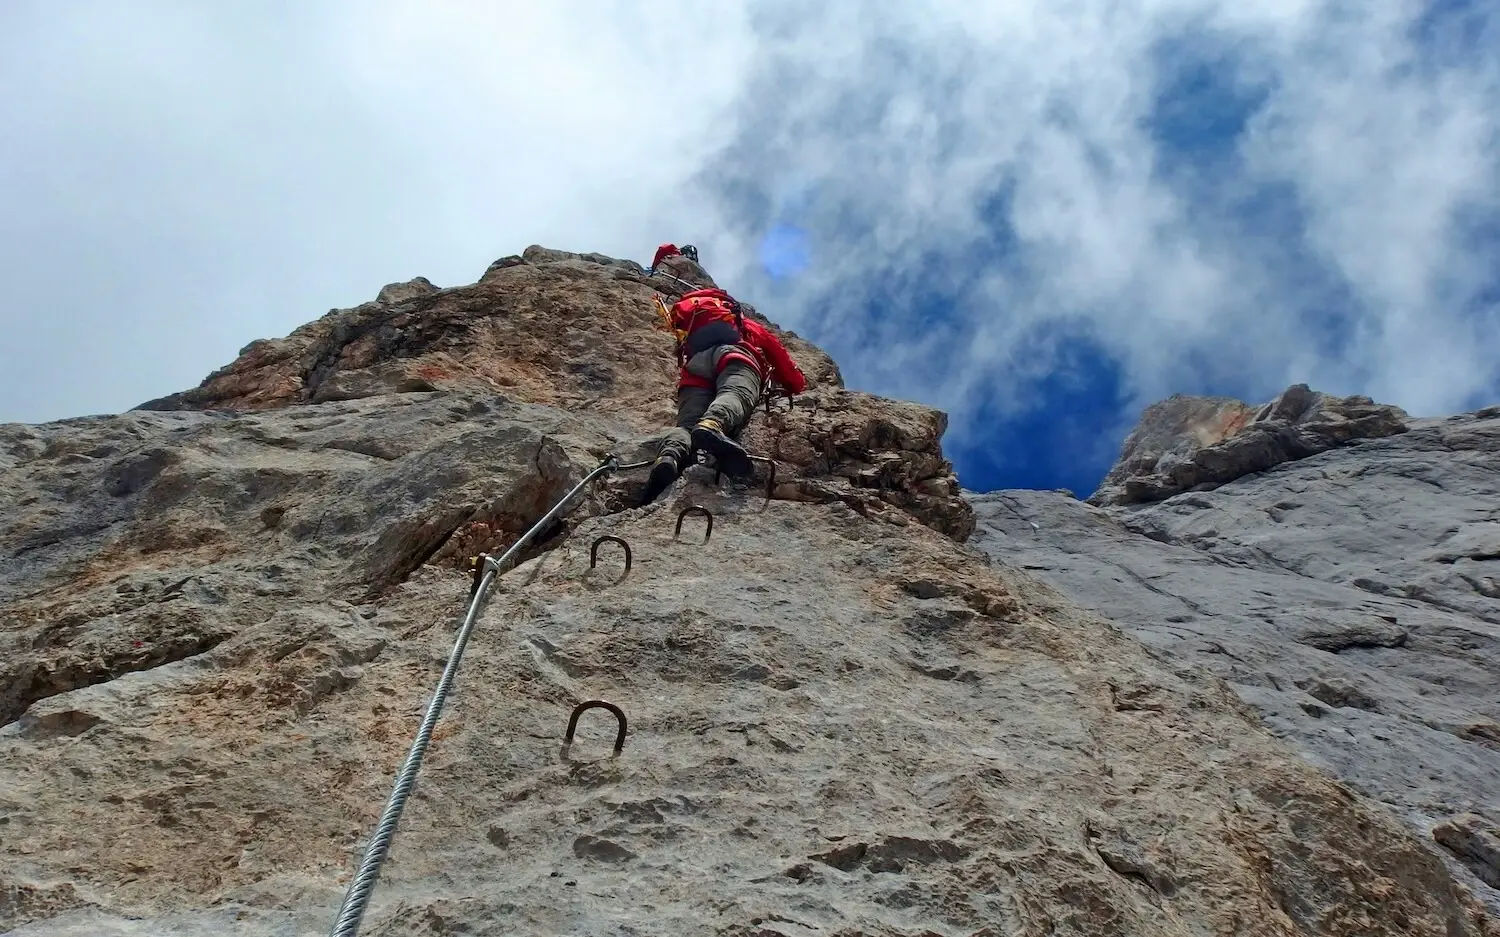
700	307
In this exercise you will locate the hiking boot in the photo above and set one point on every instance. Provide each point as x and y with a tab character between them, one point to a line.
729	456
663	474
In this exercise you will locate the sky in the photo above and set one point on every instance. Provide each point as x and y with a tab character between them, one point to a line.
1039	216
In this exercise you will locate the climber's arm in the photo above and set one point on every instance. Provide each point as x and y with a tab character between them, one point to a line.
783	367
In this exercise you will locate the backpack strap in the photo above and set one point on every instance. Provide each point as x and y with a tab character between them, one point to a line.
739	314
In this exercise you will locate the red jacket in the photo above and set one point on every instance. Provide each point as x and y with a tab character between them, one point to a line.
711	310
769	347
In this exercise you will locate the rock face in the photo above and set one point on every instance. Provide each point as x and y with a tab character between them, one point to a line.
575	332
223	615
1197	443
1352	597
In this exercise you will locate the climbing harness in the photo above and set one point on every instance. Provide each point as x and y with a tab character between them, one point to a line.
357	899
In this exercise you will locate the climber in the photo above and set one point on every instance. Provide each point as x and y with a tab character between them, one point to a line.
671	250
724	361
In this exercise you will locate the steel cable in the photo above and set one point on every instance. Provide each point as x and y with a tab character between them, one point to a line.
357	899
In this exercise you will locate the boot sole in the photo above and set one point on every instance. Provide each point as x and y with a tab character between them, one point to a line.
728	456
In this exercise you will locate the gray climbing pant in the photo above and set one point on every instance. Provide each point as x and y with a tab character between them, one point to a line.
731	402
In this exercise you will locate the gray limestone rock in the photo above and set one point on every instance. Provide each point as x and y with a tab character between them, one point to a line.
221	618
179	509
828	731
536	254
1474	842
393	293
1349	596
221	629
1190	443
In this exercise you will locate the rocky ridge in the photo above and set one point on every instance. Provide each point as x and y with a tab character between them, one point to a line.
224	612
575	332
1345	585
1187	443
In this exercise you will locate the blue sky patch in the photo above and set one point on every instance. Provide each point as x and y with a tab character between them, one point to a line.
1450	30
1069	434
909	275
1203	102
785	251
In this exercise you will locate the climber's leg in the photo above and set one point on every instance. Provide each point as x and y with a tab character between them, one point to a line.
692	404
733	404
673	455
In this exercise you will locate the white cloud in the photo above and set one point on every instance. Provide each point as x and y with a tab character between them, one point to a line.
1379	147
1387	152
180	179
